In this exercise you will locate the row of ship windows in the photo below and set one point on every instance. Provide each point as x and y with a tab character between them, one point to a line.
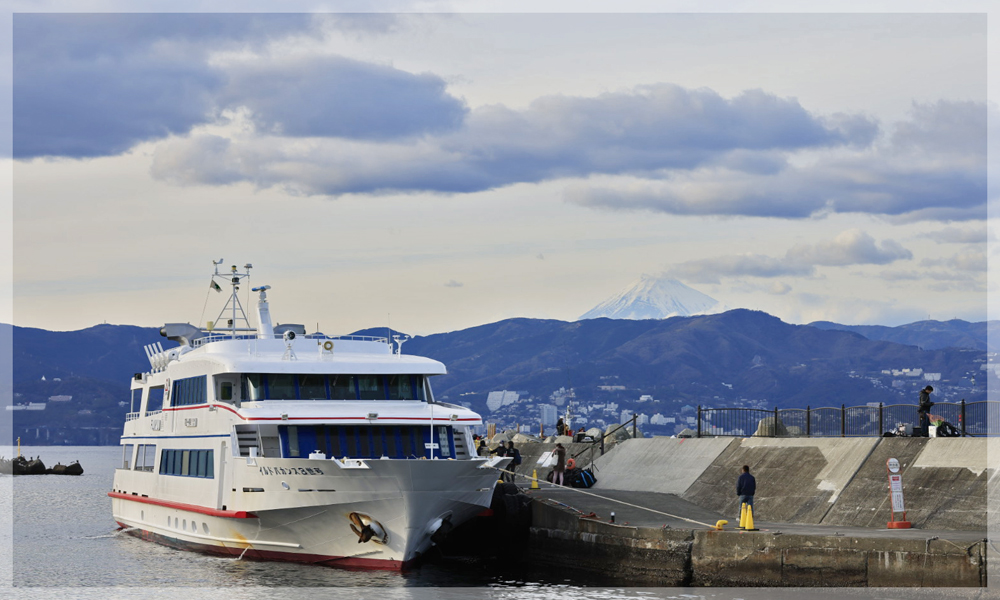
185	463
392	441
281	386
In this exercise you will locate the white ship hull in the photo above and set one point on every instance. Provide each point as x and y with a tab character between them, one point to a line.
409	499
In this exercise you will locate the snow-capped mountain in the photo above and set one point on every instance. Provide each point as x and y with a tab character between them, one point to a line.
655	298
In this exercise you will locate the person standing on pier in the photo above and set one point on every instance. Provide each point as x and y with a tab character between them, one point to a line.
512	467
924	410
746	487
560	468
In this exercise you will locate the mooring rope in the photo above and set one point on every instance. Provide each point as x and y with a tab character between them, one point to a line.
622	502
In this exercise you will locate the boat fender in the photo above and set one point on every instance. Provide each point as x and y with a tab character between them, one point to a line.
328	346
570	463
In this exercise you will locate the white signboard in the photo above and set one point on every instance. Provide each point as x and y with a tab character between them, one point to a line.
896	492
893	465
547	459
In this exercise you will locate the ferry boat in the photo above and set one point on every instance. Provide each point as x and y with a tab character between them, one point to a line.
267	443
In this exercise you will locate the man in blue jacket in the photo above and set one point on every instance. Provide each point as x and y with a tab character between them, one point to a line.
746	485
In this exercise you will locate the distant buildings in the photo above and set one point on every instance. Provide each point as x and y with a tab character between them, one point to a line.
548	414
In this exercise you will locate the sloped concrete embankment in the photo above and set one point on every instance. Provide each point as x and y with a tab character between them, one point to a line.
838	481
675	557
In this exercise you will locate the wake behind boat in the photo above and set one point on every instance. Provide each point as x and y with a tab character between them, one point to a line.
268	443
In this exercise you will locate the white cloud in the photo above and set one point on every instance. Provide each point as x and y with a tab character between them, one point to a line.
852	247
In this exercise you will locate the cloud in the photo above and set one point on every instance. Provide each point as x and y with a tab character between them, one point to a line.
453	284
852	247
960	235
971	260
97	85
932	166
640	132
89	85
310	124
335	97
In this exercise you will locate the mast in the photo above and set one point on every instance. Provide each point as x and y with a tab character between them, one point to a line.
238	316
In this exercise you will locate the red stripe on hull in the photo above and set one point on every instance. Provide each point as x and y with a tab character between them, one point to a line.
202	510
345	562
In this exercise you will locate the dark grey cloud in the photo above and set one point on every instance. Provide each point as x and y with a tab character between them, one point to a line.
97	85
340	97
852	247
88	85
930	167
645	132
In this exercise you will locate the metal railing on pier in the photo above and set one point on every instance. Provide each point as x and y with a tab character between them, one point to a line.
969	418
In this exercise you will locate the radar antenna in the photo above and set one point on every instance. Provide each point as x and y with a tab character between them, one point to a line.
237	320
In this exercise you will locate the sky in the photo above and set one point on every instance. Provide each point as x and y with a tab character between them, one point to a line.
433	169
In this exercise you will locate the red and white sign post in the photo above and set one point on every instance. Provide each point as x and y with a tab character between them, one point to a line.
896	495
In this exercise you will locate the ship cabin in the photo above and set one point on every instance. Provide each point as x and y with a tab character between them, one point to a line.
343	398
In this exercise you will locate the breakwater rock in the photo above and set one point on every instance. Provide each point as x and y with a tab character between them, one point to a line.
34	466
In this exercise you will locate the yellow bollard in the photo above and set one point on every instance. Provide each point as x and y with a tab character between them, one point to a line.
719	524
749	523
743	515
534	479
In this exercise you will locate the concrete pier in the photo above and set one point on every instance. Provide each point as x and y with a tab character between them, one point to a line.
822	507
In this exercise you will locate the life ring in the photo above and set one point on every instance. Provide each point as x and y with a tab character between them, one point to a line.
570	463
328	346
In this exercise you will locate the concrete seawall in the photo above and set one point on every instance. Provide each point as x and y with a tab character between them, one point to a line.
657	556
821	507
837	481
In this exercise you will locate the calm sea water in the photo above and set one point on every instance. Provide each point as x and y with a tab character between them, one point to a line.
64	544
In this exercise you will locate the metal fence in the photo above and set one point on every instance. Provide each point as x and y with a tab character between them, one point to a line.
970	418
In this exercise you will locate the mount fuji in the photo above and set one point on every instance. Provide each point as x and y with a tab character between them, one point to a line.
655	298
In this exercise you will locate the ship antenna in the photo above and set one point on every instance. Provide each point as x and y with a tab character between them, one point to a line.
233	305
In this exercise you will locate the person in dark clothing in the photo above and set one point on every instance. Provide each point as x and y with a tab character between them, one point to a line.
746	486
500	450
924	410
512	466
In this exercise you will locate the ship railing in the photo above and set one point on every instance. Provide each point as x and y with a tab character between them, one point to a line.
873	420
132	416
217	336
150	413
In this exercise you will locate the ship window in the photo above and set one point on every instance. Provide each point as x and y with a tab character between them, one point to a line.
253	387
312	387
371	387
405	387
188	391
342	387
136	400
280	387
444	441
145	457
155	400
226	391
127	456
